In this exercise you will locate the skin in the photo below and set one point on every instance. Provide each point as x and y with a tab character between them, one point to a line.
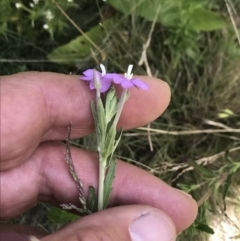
36	109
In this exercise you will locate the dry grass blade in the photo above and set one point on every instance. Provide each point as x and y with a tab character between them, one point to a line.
190	132
144	60
151	170
230	11
74	175
217	124
80	30
203	161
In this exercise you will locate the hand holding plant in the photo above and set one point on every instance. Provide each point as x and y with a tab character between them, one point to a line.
33	168
106	111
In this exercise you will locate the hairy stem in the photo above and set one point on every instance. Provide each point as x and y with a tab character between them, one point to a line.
120	106
101	178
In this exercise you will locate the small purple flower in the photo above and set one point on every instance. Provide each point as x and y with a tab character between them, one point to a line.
105	79
127	81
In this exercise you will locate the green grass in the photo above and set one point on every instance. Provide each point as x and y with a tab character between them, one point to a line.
202	69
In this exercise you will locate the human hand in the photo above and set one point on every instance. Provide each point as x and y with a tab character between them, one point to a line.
36	109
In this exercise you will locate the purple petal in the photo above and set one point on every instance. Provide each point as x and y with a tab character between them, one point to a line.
126	83
106	83
88	73
111	75
85	78
140	84
118	79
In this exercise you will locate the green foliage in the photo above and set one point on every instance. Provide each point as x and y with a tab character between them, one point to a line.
205	20
80	47
106	131
225	114
92	204
108	182
201	67
203	227
201	170
60	216
173	13
29	17
111	105
184	19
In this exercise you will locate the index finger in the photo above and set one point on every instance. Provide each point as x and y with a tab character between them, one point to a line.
38	106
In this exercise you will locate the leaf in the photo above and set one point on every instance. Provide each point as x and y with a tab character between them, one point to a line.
233	172
101	123
61	216
109	143
226	113
204	20
189	14
92	200
223	115
226	187
204	227
79	48
188	187
95	117
111	104
201	170
108	182
99	120
143	8
118	138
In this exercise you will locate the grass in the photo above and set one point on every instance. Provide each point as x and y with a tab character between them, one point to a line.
202	69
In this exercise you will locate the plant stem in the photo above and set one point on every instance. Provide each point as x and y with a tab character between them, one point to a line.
120	107
101	178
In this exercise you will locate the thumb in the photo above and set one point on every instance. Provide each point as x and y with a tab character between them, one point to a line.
128	223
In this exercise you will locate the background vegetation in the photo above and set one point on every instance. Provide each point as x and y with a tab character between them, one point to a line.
194	45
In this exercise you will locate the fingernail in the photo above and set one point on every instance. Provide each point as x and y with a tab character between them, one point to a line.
152	227
186	194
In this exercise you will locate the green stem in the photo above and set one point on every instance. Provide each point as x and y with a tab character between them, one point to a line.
101	178
120	106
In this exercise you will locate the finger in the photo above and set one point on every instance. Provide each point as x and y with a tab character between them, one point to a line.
128	223
44	104
48	179
19	232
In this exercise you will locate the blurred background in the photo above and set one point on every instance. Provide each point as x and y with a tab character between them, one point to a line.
194	45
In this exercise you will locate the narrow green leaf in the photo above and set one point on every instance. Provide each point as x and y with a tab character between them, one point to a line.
188	187
79	48
227	185
233	172
61	216
95	117
201	170
101	122
109	142
228	111
111	104
118	138
109	181
204	227
92	199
